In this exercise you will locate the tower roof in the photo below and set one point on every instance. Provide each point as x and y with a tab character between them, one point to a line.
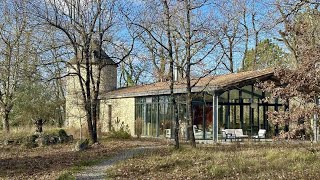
98	56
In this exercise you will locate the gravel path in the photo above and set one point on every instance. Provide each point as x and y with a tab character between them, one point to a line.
99	171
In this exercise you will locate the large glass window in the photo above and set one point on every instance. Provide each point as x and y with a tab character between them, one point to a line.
156	113
198	117
151	120
182	115
243	108
203	120
165	120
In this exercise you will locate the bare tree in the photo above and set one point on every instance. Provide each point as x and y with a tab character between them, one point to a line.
88	26
52	66
191	43
243	24
156	53
14	54
230	27
291	43
165	41
197	34
133	70
167	22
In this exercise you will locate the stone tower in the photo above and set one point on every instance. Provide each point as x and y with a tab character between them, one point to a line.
75	114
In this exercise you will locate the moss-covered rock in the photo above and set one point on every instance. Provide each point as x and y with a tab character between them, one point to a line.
30	141
82	145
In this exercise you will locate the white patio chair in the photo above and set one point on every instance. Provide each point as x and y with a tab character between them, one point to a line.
261	134
198	133
239	134
167	133
228	134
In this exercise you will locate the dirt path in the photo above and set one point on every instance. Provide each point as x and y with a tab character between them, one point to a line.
99	171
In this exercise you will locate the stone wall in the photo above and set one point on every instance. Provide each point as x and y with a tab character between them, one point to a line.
109	78
122	113
74	100
74	104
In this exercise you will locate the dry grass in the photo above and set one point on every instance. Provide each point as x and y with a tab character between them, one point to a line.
236	161
23	131
248	161
19	162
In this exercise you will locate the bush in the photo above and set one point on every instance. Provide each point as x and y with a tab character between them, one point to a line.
121	133
62	133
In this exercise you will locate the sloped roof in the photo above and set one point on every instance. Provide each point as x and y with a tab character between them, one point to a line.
209	83
98	56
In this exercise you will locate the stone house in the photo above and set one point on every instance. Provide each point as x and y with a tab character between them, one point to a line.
222	101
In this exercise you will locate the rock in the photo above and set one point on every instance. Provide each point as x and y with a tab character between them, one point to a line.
82	145
70	138
60	140
33	138
63	136
30	141
53	139
43	140
6	142
18	141
30	144
40	141
96	145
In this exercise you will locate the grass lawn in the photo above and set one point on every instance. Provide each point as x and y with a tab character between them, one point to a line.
236	161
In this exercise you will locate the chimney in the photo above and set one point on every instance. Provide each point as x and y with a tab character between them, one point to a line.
175	73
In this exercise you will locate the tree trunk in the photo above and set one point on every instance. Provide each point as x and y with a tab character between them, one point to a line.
231	56
170	52
5	122
246	39
94	135
190	120
188	71
89	122
89	103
